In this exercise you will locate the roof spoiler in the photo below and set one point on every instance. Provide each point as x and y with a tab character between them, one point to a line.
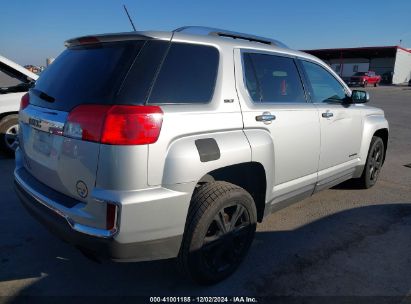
93	39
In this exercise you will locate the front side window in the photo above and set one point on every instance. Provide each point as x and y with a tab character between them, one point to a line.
271	78
325	88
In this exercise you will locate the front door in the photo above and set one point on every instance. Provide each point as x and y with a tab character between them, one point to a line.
341	124
274	104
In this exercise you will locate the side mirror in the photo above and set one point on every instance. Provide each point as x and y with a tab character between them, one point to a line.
358	96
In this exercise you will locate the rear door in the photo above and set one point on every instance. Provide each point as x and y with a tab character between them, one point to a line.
341	123
273	101
196	91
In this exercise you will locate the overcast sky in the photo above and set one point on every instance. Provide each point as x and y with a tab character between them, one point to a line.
31	31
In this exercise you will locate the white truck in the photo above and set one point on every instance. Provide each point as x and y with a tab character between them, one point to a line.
15	81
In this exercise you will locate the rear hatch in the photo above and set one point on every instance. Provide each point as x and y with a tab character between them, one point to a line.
61	125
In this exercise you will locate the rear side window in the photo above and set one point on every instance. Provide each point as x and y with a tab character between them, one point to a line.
139	79
89	74
271	78
188	75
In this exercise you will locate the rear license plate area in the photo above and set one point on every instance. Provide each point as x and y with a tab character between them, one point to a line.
43	142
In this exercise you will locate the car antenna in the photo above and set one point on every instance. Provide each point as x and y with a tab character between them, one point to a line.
129	18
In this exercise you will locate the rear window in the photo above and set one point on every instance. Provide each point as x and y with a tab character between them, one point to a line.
132	72
188	75
90	74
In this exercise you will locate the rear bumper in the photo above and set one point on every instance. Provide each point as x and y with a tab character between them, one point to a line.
104	246
56	202
101	247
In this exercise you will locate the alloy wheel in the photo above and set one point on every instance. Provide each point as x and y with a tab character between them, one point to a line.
11	137
225	242
375	162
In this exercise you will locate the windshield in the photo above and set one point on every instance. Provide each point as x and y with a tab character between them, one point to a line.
360	74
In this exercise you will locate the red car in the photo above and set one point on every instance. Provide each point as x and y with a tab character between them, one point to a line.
365	78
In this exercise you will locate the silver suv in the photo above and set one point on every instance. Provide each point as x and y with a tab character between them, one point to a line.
152	145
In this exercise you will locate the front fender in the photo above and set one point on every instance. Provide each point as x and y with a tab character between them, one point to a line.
372	123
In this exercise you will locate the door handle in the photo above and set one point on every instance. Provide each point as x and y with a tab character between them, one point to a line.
327	114
267	117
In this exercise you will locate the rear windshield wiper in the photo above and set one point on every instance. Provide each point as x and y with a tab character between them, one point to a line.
43	95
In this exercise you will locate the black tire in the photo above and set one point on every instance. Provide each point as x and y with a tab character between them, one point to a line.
215	204
373	165
9	126
376	84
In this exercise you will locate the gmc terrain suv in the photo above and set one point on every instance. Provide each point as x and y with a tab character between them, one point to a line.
152	145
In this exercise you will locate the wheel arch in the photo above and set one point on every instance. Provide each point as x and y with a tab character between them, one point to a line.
5	114
374	125
250	176
383	134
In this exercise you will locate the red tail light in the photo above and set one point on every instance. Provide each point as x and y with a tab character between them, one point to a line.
86	122
132	125
115	125
25	101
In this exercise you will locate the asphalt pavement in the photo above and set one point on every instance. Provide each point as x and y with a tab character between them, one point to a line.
340	242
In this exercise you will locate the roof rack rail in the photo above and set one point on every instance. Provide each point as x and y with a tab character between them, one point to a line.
202	30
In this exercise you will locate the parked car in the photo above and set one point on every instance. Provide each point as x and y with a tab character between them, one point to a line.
153	145
364	79
14	82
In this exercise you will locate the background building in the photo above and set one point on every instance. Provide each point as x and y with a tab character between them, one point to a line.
393	63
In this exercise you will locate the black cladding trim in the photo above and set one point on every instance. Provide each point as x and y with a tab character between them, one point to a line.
207	149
